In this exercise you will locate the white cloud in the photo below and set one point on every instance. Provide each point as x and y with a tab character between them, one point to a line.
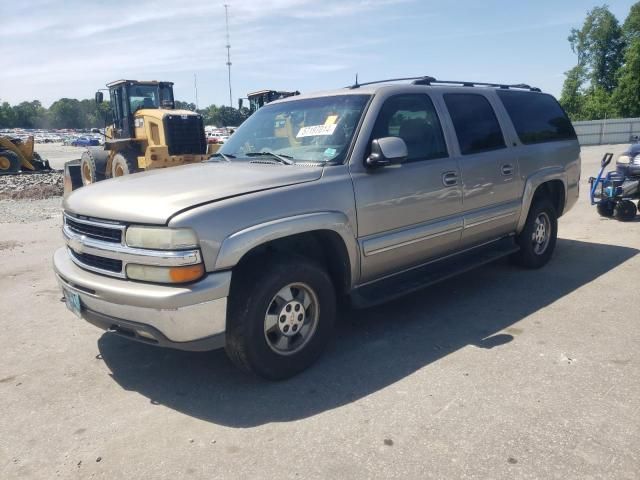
73	48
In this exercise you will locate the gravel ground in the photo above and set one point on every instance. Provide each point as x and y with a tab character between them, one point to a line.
29	211
31	186
40	185
500	373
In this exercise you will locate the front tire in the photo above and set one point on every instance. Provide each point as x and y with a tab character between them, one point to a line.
91	170
281	316
537	240
9	162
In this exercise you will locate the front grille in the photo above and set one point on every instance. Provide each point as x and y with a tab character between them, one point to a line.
94	261
96	232
185	134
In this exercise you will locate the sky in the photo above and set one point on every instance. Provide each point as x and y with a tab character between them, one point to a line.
54	48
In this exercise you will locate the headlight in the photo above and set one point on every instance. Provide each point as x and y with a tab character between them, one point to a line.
161	238
624	160
148	273
138	122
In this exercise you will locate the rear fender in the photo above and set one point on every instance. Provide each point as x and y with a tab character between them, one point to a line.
532	184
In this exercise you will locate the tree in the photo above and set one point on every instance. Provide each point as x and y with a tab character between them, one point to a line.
626	97
572	98
631	27
599	45
29	114
597	104
66	113
185	106
7	117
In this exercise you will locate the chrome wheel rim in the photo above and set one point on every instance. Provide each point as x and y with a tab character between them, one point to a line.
291	319
541	233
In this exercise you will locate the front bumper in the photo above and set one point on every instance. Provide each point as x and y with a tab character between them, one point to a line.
186	317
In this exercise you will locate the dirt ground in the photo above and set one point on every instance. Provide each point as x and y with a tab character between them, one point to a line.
500	373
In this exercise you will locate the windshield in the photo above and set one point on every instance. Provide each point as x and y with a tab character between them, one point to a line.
143	96
311	130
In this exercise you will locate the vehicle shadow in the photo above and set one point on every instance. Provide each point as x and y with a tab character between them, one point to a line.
372	348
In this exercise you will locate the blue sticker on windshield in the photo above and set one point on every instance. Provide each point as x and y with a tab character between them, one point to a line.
329	152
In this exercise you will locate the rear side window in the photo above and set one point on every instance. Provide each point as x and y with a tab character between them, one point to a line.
537	117
475	122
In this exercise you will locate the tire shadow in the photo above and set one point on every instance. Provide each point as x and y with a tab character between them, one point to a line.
372	348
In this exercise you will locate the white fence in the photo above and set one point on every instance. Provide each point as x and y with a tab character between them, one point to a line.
605	132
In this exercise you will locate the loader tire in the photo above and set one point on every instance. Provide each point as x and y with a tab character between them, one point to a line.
9	163
123	163
90	170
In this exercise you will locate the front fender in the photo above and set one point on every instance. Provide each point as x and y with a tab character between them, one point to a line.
237	245
532	184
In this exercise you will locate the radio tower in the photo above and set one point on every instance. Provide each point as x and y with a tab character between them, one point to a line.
226	15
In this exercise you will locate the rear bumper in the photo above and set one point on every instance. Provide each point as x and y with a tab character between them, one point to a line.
186	317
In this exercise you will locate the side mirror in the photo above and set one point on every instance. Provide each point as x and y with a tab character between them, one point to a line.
386	151
99	97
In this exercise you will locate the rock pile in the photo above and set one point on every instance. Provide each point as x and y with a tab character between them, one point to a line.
31	186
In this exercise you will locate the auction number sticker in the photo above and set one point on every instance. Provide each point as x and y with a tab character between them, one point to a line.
316	130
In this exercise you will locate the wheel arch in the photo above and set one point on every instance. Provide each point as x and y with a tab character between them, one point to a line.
551	183
325	237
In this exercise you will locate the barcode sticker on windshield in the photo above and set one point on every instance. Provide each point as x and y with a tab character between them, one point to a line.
316	130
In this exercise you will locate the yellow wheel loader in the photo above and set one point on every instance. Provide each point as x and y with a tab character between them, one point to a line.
17	155
146	132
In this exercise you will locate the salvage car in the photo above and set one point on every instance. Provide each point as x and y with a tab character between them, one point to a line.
364	193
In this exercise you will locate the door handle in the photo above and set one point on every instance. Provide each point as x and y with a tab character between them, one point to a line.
449	179
507	169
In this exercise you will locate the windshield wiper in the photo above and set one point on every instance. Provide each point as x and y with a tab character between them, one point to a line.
285	159
226	156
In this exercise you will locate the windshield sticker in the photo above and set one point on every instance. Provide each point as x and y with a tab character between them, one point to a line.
330	152
316	130
331	119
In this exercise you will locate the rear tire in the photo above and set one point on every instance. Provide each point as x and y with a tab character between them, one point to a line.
281	316
9	162
605	208
538	238
625	211
123	163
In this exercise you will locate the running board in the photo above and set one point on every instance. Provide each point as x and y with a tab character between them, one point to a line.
418	278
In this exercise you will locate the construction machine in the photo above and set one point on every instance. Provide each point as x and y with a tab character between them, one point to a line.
146	132
262	97
17	155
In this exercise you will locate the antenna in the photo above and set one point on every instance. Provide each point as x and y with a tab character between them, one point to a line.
195	87
226	16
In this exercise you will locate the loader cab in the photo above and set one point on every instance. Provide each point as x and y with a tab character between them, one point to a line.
129	96
261	98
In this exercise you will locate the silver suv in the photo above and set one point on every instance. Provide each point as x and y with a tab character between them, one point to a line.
364	193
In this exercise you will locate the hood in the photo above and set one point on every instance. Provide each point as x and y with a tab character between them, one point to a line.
633	150
154	196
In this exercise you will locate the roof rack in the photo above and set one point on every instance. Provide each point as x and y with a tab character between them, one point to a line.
426	80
